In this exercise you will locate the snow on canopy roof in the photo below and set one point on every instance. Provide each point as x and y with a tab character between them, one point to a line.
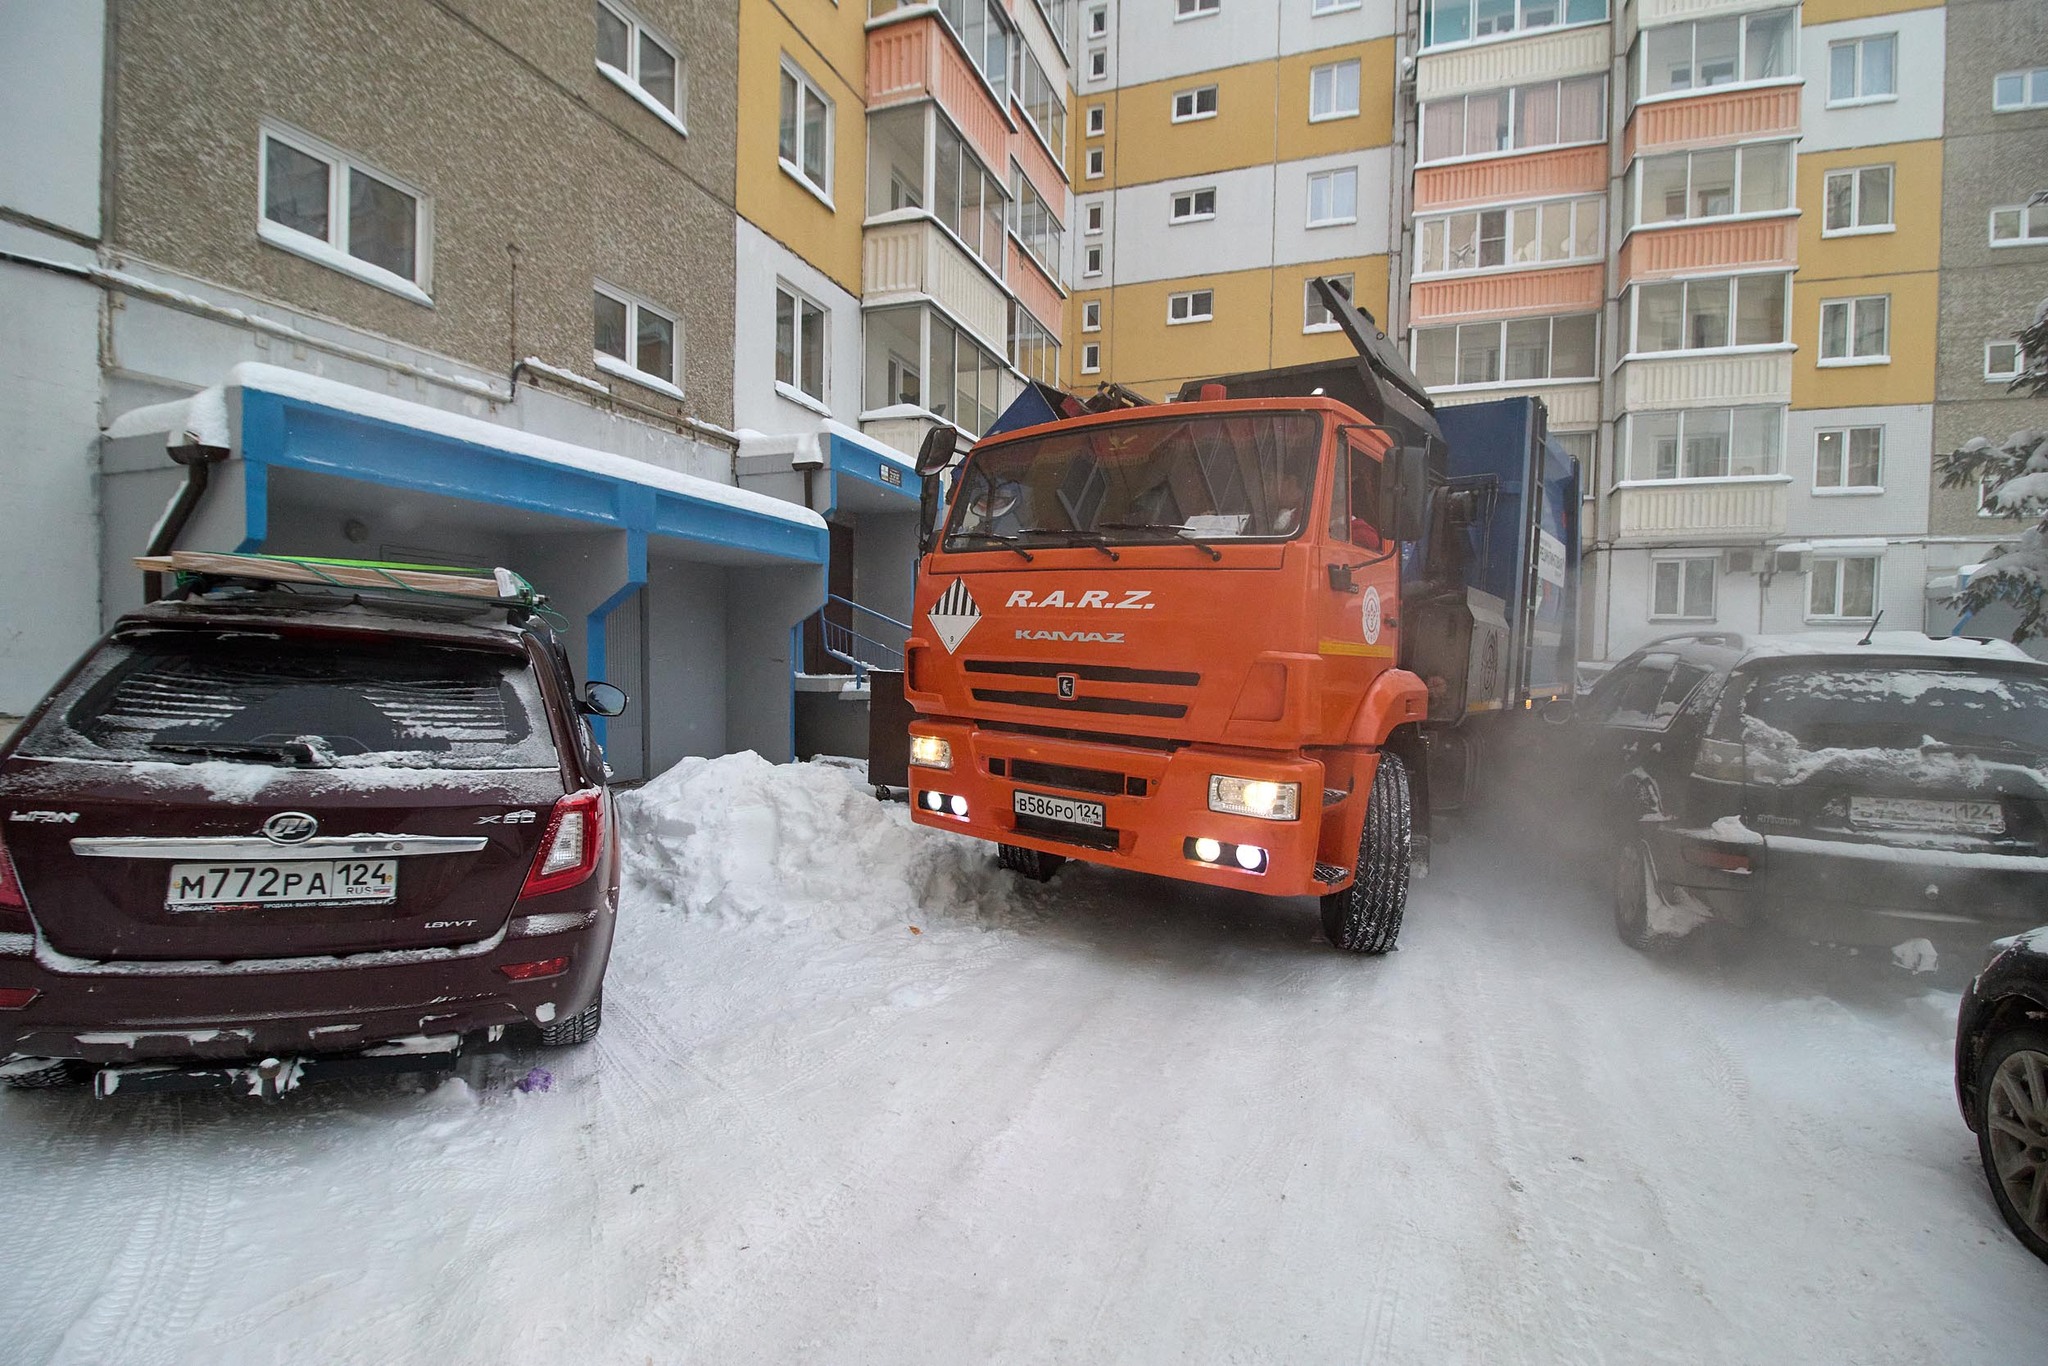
1885	644
348	398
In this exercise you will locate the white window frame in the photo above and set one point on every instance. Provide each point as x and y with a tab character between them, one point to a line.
629	368
1784	343
1998	375
2032	224
1514	94
1501	324
1095	160
1679	564
794	169
1091	315
1634	188
1091	260
1853	305
1638	58
1858	228
795	391
2033	90
1595	205
1845	488
1521	29
1098	64
1835	562
628	79
1190	298
1091	358
1098	120
1193	95
332	250
1098	22
1318	8
1358	93
1185	206
1310	303
1331	175
1628	432
1858	42
1195	9
1092	218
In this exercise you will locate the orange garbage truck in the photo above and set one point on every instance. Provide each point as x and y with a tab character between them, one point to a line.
1250	637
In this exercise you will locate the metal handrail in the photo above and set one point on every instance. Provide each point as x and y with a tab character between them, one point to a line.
855	649
902	626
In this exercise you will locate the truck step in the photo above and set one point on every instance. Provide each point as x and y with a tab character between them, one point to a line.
1331	873
1333	795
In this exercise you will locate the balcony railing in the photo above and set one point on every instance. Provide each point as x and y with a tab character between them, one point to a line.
1703	508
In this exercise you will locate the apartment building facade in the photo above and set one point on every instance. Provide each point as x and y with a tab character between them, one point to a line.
1223	153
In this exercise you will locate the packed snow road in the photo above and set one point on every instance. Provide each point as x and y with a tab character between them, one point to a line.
862	1098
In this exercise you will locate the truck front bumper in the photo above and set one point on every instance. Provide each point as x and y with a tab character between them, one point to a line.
1154	803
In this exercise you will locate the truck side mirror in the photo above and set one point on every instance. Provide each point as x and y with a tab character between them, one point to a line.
1410	501
941	445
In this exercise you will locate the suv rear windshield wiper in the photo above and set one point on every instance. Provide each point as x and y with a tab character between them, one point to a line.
1091	538
299	752
1006	542
1178	532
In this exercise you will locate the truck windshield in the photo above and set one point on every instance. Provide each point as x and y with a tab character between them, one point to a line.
1212	477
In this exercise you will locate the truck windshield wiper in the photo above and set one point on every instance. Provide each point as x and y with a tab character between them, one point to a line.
1091	538
1006	542
1178	532
297	751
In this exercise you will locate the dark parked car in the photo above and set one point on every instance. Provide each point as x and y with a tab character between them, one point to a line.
278	831
2002	1081
1856	792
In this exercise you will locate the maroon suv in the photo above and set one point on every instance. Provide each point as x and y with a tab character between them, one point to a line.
258	835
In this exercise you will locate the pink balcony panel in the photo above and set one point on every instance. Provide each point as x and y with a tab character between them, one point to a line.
1035	291
1522	293
1570	170
913	59
1648	255
1707	120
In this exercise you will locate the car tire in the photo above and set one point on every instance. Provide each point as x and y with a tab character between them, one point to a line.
2012	1094
1032	863
1634	887
59	1072
1366	916
569	1030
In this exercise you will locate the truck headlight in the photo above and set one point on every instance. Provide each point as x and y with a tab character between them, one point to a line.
1254	797
929	751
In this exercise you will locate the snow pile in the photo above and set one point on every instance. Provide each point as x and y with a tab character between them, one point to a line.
751	842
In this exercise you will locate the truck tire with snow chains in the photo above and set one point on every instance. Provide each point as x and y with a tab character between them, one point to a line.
574	1029
1032	863
1366	916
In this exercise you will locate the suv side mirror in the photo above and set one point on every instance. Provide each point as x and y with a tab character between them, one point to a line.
1558	711
602	699
1410	502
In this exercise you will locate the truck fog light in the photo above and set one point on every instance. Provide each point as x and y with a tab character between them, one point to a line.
934	801
929	751
1268	801
959	806
1208	850
1250	857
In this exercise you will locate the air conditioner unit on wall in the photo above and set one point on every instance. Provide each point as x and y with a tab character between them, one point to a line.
1794	562
1742	560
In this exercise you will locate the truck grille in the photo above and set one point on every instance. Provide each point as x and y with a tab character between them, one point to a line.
1093	673
1069	777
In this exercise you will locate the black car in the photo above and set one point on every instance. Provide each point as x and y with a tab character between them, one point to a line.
1862	792
2002	1081
269	829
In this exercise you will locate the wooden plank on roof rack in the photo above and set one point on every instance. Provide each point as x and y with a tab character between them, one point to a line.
333	573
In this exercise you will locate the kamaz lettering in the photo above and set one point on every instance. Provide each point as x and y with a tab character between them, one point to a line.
1079	637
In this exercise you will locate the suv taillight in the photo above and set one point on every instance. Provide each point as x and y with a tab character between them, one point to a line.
570	847
14	917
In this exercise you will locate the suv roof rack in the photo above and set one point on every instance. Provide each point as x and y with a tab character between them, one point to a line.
196	570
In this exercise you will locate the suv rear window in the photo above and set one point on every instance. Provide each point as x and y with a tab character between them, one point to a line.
304	701
2001	716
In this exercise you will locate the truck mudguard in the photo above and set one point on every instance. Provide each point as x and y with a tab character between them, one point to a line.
1395	698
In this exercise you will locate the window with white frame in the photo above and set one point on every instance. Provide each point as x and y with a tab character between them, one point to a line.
2019	225
1705	443
641	62
1515	351
915	355
966	197
1098	120
1520	119
1862	69
1037	230
1091	218
1681	187
1195	9
799	343
1098	64
636	340
1509	239
804	144
1842	588
1091	357
1333	197
1191	306
1848	458
1033	348
1199	103
1682	587
2020	90
1710	315
1315	314
1040	97
1094	163
1678	59
1332	6
1459	21
1091	316
1193	206
2002	361
1856	200
1333	91
1856	331
1091	260
322	204
1098	22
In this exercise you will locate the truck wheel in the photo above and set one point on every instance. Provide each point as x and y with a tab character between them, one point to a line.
1366	916
1031	863
581	1027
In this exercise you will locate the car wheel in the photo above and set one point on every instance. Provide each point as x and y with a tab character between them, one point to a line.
1366	916
1032	863
581	1027
2012	1132
1637	903
54	1072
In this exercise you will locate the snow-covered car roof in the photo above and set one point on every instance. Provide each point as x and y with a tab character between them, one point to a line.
1885	644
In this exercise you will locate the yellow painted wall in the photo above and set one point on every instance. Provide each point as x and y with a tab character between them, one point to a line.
1914	245
1909	378
1832	11
831	48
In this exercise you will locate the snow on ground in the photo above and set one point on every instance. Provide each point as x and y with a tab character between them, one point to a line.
862	1098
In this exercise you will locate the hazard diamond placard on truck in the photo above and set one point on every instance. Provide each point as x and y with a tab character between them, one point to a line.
954	615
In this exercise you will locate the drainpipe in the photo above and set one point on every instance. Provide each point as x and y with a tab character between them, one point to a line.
198	461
